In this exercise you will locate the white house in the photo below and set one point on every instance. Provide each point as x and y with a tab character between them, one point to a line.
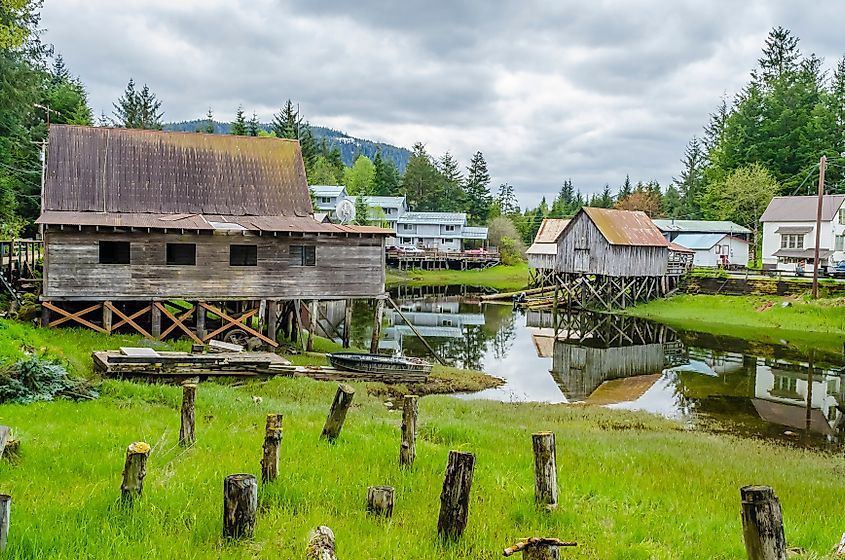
714	242
789	232
443	231
327	197
715	249
383	209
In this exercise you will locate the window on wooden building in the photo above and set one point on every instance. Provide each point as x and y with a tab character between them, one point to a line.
114	252
243	255
182	253
303	255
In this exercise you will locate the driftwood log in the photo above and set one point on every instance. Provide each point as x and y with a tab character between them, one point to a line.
321	545
454	498
539	548
272	448
762	524
5	518
5	436
187	433
337	413
134	471
408	448
380	500
545	469
240	503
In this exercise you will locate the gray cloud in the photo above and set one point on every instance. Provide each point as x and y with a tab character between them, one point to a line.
547	90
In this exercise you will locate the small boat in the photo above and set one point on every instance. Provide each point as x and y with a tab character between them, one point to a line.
376	363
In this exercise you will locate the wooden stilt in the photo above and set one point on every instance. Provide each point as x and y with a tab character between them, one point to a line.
545	469
347	322
155	318
5	519
408	448
272	445
377	318
107	316
187	434
201	332
272	320
312	325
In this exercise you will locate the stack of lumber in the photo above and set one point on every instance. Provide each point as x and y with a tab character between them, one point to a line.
146	362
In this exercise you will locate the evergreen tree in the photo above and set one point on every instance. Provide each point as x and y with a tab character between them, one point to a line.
780	56
714	128
209	122
673	203
239	125
691	181
625	190
562	205
477	189
507	199
252	126
288	123
60	73
452	195
422	184
136	109
386	179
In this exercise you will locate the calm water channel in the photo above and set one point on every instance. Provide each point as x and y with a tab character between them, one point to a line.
714	382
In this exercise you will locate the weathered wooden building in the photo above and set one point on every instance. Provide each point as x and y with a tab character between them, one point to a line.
542	254
612	258
159	232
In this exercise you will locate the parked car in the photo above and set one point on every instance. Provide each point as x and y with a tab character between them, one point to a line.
837	271
409	249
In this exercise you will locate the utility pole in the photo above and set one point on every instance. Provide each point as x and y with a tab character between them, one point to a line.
822	166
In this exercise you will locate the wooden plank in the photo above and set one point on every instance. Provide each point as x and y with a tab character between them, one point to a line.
237	322
108	305
138	352
177	322
66	316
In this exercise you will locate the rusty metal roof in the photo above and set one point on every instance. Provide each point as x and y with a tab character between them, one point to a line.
125	171
625	227
204	222
550	230
679	248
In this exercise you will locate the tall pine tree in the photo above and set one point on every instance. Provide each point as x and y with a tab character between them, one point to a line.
477	189
239	127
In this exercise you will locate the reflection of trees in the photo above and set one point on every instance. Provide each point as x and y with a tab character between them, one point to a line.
504	337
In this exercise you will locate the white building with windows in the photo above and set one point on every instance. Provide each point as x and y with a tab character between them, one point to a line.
714	242
442	231
327	197
383	210
789	232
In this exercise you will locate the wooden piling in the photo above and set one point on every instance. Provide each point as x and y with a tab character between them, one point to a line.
5	519
762	524
321	545
107	316
134	471
337	413
5	436
377	318
240	503
380	500
155	318
200	312
408	448
545	469
312	325
272	320
454	498
347	322
187	435
272	448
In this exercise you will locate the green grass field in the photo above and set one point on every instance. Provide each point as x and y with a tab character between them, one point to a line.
632	486
499	277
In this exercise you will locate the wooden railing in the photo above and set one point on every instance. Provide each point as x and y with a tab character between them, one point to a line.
21	259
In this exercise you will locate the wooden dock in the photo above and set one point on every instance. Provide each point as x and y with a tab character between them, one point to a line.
442	260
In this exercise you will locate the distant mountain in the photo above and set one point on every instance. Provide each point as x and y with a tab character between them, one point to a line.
350	147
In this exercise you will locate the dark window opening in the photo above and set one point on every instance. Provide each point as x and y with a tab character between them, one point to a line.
243	255
114	252
303	255
182	253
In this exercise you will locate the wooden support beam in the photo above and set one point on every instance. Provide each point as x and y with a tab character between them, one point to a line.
77	317
155	321
125	319
201	332
312	325
272	319
236	322
377	318
415	331
178	322
347	322
107	316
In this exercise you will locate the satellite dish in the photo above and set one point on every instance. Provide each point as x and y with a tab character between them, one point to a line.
345	211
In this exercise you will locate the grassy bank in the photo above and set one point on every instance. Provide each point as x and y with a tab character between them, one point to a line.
803	322
501	277
632	486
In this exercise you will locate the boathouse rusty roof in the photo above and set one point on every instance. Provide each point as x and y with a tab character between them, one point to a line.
176	180
550	230
624	227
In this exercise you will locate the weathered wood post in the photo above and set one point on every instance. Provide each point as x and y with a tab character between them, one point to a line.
408	448
377	318
272	320
380	500
454	498
201	316
272	447
187	435
347	322
155	319
312	325
5	519
762	524
545	469
337	413
134	471
107	316
240	502
321	545
5	435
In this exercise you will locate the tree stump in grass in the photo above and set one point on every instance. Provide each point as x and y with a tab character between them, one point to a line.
134	471
321	545
240	503
454	498
545	470
762	524
408	449
380	500
272	448
187	433
337	413
5	518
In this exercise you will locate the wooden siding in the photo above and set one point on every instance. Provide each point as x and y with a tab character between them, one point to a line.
541	261
583	249
345	267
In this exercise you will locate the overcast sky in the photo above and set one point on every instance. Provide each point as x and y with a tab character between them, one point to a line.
547	90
